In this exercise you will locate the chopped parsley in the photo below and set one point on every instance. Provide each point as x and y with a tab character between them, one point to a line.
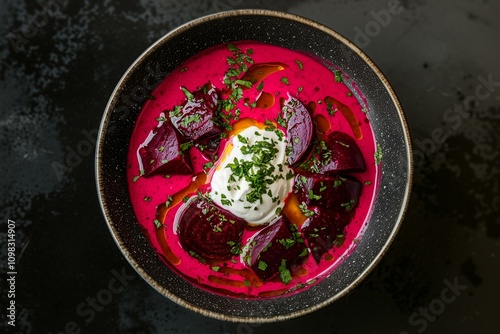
330	108
245	83
177	112
262	265
208	165
338	76
285	274
169	201
314	196
281	121
186	121
339	240
299	63
157	223
304	252
188	94
259	171
305	210
348	205
285	81
287	243
198	257
378	154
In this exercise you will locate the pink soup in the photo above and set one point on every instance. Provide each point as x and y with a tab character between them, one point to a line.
182	136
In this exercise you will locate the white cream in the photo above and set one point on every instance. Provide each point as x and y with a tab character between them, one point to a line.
234	192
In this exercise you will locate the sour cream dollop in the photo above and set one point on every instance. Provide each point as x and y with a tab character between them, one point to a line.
252	179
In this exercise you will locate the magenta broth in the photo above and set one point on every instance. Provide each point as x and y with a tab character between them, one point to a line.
283	72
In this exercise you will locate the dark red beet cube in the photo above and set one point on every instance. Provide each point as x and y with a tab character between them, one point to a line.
331	192
337	152
207	231
323	230
210	148
299	128
163	154
275	250
195	120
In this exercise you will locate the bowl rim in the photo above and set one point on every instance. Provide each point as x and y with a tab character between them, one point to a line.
302	20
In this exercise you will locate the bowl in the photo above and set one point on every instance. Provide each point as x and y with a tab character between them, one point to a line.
296	33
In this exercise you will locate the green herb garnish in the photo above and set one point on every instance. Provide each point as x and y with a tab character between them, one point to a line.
188	94
338	76
262	265
157	223
378	154
285	275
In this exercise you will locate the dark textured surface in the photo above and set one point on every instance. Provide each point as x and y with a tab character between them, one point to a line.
56	80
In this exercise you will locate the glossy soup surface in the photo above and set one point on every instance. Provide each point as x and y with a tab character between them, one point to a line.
276	75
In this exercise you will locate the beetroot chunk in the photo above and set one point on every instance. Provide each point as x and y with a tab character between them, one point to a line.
209	232
195	119
323	230
276	249
299	128
162	153
210	148
337	152
331	192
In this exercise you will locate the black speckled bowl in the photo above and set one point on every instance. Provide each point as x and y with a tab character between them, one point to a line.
293	32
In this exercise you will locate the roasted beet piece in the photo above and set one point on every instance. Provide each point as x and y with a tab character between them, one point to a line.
299	128
195	119
323	230
209	232
162	153
210	148
331	192
337	152
276	249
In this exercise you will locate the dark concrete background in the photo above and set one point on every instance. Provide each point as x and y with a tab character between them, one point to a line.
60	61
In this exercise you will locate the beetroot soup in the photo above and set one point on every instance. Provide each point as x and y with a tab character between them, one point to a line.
252	170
